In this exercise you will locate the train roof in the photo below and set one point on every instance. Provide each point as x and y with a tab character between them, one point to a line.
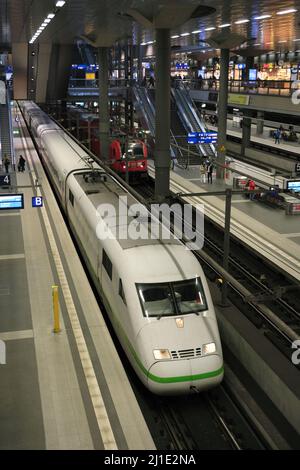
104	191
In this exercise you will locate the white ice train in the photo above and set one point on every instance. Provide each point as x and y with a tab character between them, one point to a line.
155	292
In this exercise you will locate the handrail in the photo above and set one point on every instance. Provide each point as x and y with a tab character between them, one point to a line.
10	129
190	116
261	87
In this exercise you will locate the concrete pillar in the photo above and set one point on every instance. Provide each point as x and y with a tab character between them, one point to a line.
32	64
260	122
163	113
59	72
20	65
246	135
44	56
222	111
103	102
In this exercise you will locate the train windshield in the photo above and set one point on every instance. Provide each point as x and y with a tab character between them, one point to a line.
135	152
175	298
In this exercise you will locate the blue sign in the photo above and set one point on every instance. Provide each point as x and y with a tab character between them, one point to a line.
202	138
5	180
37	202
11	202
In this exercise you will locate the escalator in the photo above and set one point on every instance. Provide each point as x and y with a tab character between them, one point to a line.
6	129
190	119
86	53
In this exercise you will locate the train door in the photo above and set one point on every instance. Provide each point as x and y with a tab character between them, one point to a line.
106	276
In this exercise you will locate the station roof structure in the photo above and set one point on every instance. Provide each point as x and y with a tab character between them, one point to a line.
269	24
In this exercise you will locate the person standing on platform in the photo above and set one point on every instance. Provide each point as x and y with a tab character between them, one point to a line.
151	82
277	135
202	173
251	187
210	170
6	163
21	164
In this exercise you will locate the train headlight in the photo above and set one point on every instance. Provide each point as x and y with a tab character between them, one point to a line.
209	348
161	354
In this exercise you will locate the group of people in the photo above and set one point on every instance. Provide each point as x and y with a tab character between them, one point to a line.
148	83
288	136
206	172
7	163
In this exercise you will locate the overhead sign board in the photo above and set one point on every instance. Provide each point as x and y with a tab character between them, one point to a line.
202	138
11	201
297	167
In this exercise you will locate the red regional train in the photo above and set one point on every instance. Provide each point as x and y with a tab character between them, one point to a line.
137	152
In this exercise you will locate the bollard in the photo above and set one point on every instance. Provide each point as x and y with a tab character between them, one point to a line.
56	328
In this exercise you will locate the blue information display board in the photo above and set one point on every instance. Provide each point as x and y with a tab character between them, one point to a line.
202	138
294	186
11	201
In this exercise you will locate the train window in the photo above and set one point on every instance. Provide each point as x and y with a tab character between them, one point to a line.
156	299
107	264
71	197
121	292
167	299
189	295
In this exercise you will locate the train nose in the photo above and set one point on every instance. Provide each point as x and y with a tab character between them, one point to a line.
174	377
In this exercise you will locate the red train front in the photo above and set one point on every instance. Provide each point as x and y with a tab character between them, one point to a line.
136	153
135	149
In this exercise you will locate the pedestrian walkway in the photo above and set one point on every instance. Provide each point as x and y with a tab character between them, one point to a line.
58	391
264	138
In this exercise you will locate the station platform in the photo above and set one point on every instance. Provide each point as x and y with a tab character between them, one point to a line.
264	138
66	390
264	229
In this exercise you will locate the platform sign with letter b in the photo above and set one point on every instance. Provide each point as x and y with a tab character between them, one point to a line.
37	201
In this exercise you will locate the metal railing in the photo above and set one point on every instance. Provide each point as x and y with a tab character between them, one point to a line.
257	87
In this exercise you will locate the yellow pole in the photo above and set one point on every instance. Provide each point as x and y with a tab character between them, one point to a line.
56	309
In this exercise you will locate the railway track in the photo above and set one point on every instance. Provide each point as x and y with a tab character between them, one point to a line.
206	421
266	286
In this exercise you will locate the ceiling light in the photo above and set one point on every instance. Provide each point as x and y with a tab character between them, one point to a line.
51	16
143	43
60	3
257	44
262	17
196	32
209	29
185	34
242	21
295	40
47	20
285	12
281	42
225	25
175	36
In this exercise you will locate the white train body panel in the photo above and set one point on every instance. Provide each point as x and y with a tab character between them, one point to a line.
136	265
